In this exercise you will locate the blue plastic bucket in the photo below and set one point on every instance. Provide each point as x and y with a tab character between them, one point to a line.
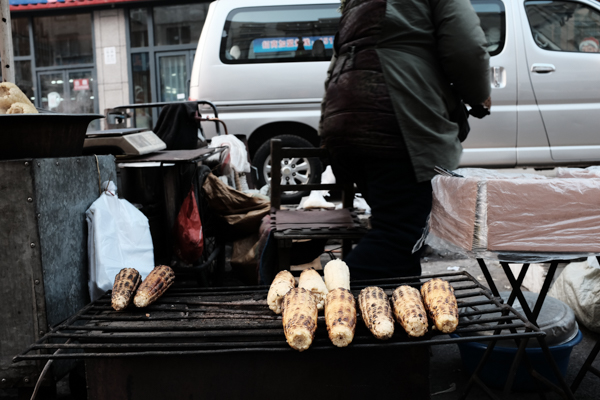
496	369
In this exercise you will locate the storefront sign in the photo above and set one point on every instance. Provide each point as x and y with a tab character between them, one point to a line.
81	84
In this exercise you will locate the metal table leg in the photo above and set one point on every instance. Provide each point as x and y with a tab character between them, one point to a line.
516	292
587	366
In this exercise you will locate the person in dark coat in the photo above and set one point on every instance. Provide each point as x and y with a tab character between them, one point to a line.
386	115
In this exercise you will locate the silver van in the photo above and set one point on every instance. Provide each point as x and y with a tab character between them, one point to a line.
263	63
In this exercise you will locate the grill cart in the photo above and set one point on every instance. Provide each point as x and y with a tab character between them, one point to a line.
226	343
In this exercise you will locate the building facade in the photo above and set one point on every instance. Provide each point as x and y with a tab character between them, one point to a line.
87	56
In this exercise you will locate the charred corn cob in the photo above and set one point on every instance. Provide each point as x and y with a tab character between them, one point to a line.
340	316
21	108
440	303
126	282
312	281
299	318
10	94
337	275
409	310
376	312
155	285
283	282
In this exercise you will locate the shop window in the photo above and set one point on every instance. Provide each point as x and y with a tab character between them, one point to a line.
279	34
20	36
564	26
492	17
179	24
138	27
63	40
140	72
23	78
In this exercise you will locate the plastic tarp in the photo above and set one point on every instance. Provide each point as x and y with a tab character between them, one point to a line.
515	216
118	237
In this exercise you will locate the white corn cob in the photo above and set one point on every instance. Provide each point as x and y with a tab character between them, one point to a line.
299	318
155	285
10	94
409	310
337	275
340	316
283	282
376	312
440	303
312	281
126	282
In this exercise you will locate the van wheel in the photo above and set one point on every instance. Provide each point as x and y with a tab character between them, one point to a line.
304	170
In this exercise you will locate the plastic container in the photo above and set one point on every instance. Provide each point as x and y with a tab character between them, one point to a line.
495	372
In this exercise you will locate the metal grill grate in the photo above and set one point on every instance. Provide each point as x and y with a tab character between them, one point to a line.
188	321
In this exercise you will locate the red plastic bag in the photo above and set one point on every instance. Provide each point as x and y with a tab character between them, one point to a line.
188	230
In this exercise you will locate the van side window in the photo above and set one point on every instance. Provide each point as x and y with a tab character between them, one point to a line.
493	22
564	26
279	34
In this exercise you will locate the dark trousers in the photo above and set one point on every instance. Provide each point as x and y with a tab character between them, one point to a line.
399	209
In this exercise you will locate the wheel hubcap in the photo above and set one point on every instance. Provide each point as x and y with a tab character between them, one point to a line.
294	171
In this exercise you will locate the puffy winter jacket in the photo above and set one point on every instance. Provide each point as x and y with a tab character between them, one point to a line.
388	88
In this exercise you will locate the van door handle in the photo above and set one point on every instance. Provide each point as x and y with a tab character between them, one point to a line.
543	68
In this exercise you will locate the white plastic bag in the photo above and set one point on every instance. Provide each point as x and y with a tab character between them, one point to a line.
239	155
118	237
579	287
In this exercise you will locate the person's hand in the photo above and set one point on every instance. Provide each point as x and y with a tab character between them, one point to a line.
488	103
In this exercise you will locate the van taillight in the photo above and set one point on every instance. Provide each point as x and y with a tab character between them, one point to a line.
192	99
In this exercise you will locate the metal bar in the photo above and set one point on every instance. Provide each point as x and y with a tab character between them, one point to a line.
516	289
276	173
488	277
256	349
520	279
544	291
587	366
567	394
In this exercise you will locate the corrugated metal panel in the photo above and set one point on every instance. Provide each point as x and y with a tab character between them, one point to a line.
43	248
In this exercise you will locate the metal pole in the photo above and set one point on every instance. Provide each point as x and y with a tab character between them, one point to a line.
6	45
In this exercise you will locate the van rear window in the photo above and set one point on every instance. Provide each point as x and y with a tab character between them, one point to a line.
279	34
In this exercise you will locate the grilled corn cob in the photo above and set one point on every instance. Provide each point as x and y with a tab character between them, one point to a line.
283	282
299	318
440	303
376	312
337	275
340	316
155	285
312	281
409	310
10	94
126	282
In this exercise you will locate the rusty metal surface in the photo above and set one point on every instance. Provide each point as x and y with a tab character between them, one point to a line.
21	299
43	243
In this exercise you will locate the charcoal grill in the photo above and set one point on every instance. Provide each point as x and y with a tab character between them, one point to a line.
236	325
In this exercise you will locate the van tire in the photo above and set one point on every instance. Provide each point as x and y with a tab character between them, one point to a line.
261	161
